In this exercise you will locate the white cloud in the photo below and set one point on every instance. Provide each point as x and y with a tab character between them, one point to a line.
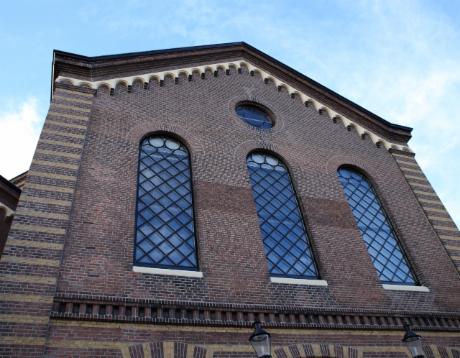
19	131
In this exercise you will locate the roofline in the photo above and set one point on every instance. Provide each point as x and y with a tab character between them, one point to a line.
94	59
10	184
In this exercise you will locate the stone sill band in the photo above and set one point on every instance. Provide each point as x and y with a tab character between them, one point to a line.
167	272
406	288
298	281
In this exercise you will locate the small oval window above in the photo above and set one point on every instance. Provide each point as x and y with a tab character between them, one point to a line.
254	115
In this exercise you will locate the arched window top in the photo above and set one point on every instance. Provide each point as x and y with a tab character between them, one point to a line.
284	236
375	227
165	232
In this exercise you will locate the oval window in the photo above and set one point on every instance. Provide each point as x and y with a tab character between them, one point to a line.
254	115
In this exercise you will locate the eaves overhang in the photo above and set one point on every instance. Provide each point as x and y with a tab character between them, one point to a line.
109	70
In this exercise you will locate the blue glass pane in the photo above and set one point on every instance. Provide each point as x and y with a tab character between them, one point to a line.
283	232
375	228
165	234
254	116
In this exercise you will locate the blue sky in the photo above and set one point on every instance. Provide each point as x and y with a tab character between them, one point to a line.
399	59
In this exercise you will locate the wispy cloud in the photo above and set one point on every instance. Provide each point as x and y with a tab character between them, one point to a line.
18	137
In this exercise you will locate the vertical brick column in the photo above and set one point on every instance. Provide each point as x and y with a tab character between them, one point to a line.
434	210
30	263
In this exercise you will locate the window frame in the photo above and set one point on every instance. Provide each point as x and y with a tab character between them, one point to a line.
384	205
135	264
258	106
309	236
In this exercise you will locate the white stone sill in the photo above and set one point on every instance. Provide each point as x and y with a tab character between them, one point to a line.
167	272
406	288
298	281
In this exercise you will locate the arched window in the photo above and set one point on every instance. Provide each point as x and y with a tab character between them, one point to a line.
165	232
376	230
283	231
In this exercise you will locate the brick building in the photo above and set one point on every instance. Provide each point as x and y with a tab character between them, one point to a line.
176	196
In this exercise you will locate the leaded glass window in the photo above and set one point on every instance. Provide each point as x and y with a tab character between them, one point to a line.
376	230
254	115
285	239
165	232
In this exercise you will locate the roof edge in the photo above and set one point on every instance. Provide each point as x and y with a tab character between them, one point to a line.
90	61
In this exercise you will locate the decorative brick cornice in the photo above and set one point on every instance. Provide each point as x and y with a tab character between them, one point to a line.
107	308
124	70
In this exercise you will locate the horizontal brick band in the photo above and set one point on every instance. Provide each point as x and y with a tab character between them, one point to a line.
77	93
15	318
26	298
22	341
411	170
58	154
68	116
62	144
439	218
29	261
29	279
425	193
37	228
412	164
70	107
36	244
48	201
419	184
42	214
63	134
66	125
453	247
453	238
34	173
409	155
52	188
55	164
445	228
111	309
71	99
418	177
429	201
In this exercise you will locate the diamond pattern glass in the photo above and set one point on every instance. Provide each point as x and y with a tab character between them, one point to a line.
285	239
165	232
376	230
254	116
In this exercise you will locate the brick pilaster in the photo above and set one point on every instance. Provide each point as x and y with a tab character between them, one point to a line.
434	210
30	263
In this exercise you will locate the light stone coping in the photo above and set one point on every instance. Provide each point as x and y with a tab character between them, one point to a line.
167	272
298	281
160	75
406	288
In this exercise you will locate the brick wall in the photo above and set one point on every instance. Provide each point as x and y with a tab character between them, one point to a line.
201	113
70	250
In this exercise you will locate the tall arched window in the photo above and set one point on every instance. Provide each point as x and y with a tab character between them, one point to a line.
283	231
165	232
376	230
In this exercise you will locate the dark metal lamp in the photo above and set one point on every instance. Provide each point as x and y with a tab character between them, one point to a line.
413	342
260	341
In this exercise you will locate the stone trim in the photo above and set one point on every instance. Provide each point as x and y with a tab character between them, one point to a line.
167	272
239	64
112	309
443	226
298	281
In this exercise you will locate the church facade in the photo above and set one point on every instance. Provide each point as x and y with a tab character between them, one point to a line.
177	196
